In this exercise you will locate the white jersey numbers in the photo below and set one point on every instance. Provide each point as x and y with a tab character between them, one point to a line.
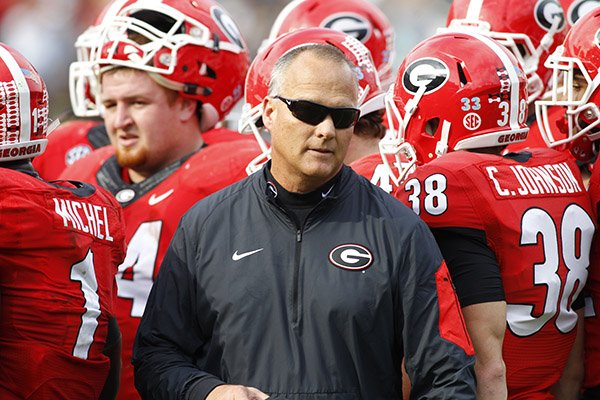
85	273
382	178
572	246
435	201
136	274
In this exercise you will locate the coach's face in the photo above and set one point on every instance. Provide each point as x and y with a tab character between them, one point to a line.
306	156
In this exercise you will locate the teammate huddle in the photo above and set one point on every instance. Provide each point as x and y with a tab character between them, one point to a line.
488	131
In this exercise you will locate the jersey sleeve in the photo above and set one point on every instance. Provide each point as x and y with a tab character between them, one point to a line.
169	334
438	351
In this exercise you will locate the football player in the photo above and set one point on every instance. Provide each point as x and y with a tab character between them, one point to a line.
553	119
60	245
515	230
76	138
576	96
169	70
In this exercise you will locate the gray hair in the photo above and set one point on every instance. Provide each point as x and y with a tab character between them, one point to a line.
323	51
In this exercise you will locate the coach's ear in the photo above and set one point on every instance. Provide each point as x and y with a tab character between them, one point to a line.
208	117
269	111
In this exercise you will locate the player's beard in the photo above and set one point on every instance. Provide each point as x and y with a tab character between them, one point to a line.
131	158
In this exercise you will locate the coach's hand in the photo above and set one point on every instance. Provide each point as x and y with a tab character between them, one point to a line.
236	392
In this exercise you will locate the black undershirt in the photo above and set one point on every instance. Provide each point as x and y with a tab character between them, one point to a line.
472	264
299	205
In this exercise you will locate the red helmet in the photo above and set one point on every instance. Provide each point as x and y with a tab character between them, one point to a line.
82	80
580	53
23	107
259	78
446	99
192	47
530	29
359	18
576	9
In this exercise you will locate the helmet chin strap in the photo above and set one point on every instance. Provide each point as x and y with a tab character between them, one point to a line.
441	147
398	143
391	111
548	38
411	105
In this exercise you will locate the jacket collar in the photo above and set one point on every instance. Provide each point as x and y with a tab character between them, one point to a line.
339	187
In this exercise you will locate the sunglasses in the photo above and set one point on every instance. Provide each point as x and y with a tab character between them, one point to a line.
314	113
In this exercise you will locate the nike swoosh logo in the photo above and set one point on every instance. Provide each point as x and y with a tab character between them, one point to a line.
236	256
325	194
154	199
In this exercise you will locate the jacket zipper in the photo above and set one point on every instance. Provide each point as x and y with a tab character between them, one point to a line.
296	268
296	272
296	279
295	282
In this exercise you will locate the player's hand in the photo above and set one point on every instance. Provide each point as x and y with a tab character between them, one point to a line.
236	392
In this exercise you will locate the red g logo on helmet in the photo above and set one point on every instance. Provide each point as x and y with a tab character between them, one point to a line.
228	26
429	72
546	11
579	8
351	24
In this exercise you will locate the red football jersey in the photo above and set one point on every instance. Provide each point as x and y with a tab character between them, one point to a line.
538	221
373	168
152	212
592	310
59	251
218	135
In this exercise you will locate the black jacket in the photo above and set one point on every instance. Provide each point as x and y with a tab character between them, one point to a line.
324	312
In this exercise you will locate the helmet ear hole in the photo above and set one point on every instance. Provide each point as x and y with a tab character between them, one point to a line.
523	50
431	126
462	74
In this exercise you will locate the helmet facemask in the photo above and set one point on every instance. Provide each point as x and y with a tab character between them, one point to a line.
581	113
